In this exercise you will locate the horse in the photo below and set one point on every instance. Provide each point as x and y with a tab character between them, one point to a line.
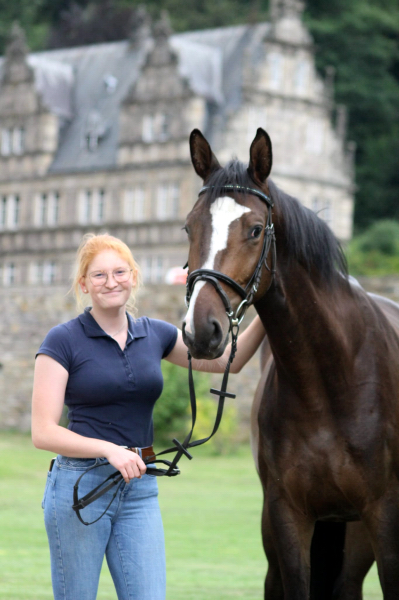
325	419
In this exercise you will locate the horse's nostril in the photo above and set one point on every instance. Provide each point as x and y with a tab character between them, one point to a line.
217	334
188	338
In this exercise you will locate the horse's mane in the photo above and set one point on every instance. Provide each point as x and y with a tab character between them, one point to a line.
308	238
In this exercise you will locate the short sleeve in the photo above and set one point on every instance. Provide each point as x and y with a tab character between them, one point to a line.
167	335
57	345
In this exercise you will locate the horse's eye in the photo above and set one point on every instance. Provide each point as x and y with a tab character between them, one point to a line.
184	228
255	233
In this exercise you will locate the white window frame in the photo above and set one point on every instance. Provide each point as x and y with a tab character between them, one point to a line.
18	140
148	128
9	273
275	62
6	142
49	272
3	212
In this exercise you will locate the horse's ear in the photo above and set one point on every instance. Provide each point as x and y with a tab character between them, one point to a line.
260	157
203	159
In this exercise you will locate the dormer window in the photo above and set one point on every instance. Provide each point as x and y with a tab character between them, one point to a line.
12	141
155	128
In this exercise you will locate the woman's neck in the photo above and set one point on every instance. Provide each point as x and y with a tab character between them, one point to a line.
111	322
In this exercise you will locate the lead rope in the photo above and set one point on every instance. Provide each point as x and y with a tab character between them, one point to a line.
116	478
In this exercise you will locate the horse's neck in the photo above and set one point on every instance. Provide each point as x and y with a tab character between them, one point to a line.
308	331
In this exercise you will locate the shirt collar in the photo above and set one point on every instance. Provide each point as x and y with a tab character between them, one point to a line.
93	329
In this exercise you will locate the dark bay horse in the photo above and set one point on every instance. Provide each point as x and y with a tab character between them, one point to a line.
326	412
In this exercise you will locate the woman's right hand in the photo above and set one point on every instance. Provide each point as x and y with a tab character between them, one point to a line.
128	463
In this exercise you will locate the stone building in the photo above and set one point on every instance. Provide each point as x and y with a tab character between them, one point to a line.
95	138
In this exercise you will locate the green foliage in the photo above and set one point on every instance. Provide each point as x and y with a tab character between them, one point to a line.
223	442
360	39
376	251
171	413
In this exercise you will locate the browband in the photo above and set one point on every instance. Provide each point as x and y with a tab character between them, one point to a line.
238	188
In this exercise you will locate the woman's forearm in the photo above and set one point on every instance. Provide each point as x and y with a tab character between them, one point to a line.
60	440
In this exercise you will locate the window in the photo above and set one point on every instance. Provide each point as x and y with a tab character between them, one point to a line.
155	127
14	213
163	126
5	142
301	77
18	135
275	62
168	197
9	274
323	208
92	206
134	207
3	212
49	272
53	208
9	212
100	205
43	209
148	128
87	207
42	272
12	141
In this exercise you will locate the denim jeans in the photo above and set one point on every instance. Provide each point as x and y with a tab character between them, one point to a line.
130	534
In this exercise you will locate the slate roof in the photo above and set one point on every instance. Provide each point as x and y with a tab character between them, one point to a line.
85	86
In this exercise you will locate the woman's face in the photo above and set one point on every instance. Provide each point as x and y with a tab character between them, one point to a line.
111	294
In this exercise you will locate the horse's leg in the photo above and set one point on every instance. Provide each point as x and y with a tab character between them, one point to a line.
358	558
382	522
273	583
292	536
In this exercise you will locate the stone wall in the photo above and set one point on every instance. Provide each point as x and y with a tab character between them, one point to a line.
28	313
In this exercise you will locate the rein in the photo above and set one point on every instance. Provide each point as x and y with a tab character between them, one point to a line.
247	295
116	478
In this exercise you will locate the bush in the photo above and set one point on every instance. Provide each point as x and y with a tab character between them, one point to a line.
383	237
172	410
172	413
375	252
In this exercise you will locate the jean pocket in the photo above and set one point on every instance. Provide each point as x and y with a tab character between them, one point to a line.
77	464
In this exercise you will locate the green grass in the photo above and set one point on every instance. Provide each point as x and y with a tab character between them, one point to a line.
211	516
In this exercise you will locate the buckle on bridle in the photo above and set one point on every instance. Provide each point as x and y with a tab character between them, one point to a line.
240	314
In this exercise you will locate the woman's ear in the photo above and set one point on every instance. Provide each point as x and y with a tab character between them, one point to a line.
82	284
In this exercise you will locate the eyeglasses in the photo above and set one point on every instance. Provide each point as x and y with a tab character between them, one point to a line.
101	277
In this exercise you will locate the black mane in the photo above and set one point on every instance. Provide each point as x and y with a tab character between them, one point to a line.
308	238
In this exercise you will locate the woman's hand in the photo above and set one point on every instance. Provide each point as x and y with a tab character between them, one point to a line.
128	463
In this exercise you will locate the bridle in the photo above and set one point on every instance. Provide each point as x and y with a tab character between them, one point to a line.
247	294
211	276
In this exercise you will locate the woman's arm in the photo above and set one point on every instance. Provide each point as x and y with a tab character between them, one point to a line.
247	344
49	387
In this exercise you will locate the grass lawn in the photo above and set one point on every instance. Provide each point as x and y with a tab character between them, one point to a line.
212	526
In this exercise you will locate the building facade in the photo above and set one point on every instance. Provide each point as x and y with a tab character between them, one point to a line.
95	138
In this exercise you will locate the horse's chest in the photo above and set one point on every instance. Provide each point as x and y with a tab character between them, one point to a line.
314	470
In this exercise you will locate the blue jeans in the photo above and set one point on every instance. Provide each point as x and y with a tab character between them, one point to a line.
130	534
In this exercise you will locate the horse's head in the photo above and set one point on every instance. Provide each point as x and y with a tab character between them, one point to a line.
230	235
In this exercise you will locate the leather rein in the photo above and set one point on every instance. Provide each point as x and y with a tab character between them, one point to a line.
247	294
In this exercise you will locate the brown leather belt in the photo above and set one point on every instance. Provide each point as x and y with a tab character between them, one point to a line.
146	453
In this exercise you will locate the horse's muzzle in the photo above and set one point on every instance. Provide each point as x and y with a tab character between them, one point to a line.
208	343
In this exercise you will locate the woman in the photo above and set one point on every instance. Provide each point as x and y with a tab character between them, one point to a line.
105	366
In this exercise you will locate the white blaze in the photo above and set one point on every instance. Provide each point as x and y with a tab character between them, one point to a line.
223	211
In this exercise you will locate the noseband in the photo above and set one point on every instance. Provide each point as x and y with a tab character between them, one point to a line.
213	277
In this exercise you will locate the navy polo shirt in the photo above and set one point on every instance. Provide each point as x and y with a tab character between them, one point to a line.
111	392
